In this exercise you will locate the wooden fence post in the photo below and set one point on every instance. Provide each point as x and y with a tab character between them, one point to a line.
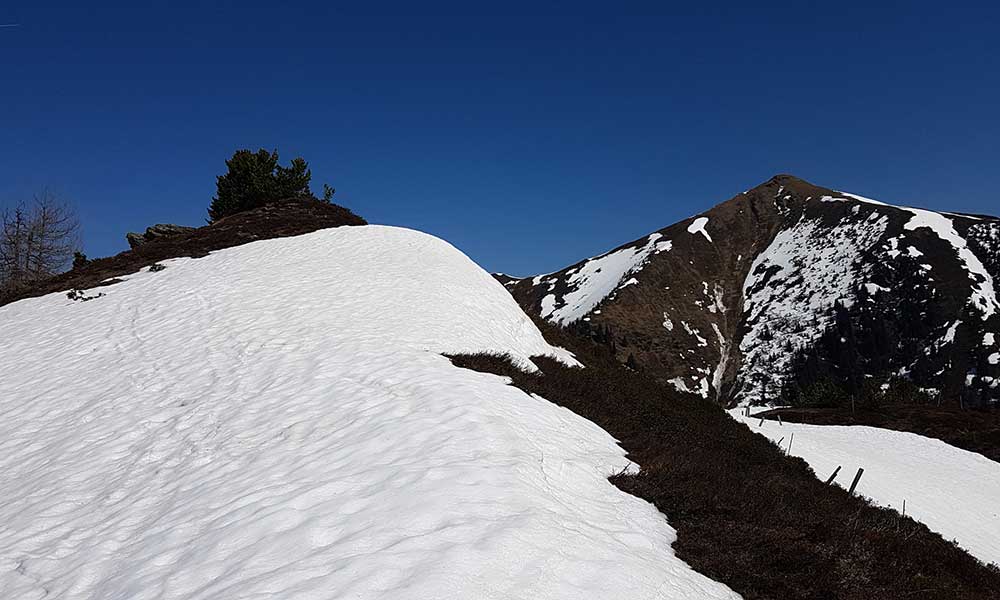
857	478
834	476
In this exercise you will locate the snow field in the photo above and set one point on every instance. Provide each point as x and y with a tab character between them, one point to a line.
276	421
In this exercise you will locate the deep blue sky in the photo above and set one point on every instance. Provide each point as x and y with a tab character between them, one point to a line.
528	139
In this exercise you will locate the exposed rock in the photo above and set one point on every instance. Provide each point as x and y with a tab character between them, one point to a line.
134	239
158	231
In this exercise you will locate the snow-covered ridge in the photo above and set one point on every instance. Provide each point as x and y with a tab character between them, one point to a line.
276	420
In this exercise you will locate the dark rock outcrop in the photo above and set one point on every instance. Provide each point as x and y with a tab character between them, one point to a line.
158	231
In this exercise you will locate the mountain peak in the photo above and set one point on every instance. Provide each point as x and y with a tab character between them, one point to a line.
792	183
784	178
724	304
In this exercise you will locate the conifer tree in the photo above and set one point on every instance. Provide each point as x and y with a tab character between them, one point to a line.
254	179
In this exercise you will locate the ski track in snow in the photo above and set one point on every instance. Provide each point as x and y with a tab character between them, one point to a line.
275	421
952	491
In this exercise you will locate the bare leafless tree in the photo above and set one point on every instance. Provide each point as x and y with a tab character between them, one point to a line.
37	239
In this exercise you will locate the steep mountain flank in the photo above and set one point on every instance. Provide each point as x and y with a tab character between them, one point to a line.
788	286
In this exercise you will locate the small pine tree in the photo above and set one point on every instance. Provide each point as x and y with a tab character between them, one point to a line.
328	193
254	179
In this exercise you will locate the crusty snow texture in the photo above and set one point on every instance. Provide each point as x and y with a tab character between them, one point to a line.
276	421
952	491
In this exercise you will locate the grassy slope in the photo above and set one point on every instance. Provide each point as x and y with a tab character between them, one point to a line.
746	514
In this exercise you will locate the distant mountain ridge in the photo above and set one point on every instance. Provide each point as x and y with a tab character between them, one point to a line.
788	284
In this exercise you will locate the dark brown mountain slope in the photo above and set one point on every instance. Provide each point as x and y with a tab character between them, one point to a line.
790	285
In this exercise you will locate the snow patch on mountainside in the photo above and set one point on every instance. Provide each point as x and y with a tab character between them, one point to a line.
276	420
596	279
984	296
790	291
698	226
720	368
904	466
701	386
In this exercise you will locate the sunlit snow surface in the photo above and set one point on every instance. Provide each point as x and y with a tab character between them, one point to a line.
698	226
276	421
952	491
596	278
790	291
